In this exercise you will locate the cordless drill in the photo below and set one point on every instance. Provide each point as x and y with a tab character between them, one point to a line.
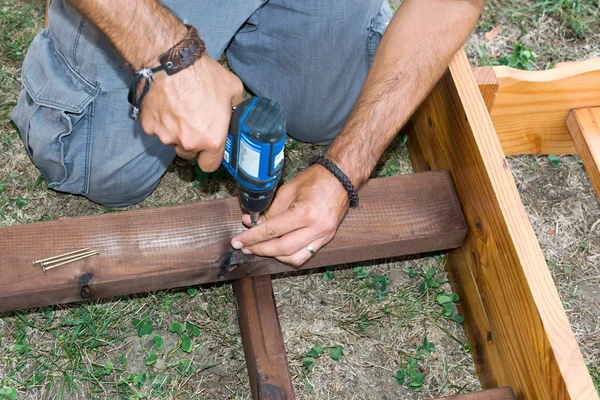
254	152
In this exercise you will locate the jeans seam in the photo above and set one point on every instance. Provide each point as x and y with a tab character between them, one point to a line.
88	148
76	43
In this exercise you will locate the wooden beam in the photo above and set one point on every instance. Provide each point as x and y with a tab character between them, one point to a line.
519	333
531	107
503	393
266	359
179	246
584	126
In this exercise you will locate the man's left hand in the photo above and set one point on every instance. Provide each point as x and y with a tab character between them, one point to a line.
306	211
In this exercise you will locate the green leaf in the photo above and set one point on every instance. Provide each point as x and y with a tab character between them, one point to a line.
379	283
364	322
426	348
458	319
9	393
416	382
360	272
151	358
35	379
108	368
430	273
143	326
443	298
328	276
140	379
316	351
185	367
192	329
192	291
123	360
309	363
400	376
336	352
177	327
186	343
158	342
448	309
410	272
554	160
454	297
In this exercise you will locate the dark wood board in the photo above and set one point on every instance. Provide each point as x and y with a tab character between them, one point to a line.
264	349
183	245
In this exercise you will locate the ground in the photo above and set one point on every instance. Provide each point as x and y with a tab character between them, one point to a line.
379	314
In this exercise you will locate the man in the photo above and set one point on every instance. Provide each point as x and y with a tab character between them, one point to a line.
311	56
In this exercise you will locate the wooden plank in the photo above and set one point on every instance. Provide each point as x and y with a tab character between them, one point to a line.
488	85
518	330
531	107
179	246
584	126
503	393
266	359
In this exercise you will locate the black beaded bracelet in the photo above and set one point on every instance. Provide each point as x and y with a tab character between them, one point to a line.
340	175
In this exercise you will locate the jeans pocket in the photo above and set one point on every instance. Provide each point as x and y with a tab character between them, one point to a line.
378	26
53	116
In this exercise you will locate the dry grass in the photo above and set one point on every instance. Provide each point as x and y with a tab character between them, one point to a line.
66	346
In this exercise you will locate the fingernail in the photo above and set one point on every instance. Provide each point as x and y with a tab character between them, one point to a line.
246	251
237	245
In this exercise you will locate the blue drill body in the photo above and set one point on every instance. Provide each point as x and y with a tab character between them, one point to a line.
254	152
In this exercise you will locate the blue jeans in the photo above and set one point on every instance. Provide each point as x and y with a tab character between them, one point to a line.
312	56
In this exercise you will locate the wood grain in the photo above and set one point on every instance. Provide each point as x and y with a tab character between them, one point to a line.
488	85
183	245
584	126
264	349
517	327
531	107
503	393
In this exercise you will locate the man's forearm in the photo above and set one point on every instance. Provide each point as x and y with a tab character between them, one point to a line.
139	30
414	52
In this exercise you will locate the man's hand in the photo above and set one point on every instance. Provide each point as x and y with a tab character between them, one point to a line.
191	110
306	211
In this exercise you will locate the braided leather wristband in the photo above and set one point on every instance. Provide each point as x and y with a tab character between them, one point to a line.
184	53
339	174
179	57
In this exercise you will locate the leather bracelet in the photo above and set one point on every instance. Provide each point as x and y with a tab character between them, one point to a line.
340	175
184	53
179	57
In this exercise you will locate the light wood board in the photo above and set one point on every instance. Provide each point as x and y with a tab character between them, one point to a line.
531	107
584	126
517	327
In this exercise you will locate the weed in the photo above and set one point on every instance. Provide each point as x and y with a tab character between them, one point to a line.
521	58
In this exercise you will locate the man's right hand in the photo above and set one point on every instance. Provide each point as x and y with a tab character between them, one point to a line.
191	110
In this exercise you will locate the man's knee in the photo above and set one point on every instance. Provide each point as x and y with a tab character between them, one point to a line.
120	181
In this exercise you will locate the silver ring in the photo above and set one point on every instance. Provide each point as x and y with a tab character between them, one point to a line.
311	250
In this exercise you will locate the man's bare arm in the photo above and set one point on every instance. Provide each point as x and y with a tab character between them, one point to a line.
414	52
139	30
189	110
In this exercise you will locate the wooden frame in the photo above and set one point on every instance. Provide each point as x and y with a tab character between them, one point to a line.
517	327
519	333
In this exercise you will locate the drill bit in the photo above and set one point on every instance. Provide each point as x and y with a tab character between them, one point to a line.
254	218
